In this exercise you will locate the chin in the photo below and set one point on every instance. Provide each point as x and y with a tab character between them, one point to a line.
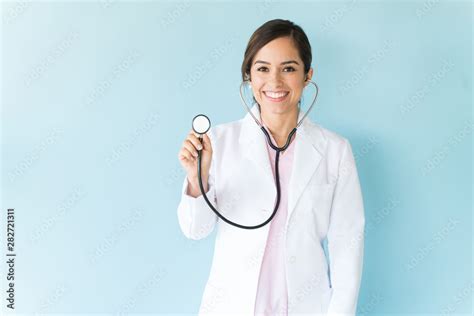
275	108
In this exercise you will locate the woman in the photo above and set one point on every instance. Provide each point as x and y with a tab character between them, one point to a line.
280	268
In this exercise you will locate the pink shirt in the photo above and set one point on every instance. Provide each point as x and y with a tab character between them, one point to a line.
272	295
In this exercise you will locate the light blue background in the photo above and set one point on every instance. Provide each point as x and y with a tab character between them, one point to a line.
97	98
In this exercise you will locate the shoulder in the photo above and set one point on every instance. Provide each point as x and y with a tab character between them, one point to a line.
336	150
327	140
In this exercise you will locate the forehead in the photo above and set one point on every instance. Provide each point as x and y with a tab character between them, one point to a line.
279	49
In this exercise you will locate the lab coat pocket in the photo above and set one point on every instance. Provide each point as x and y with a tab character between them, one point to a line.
321	196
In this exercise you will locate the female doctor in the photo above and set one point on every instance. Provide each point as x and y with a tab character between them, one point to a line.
280	268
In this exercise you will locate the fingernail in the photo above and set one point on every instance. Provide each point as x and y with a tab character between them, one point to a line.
195	154
199	147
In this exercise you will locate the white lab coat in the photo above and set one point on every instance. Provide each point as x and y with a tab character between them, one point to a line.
324	201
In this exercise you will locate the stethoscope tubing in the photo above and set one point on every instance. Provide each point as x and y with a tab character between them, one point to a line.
277	159
201	186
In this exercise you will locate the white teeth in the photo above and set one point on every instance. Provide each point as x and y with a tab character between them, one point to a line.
275	95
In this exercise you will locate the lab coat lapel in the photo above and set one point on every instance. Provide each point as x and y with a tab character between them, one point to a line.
254	146
309	146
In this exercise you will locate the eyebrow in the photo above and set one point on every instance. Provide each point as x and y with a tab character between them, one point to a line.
283	63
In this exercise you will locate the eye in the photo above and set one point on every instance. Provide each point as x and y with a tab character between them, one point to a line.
260	68
290	69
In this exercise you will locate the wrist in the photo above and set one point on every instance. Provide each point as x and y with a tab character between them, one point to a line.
194	188
195	179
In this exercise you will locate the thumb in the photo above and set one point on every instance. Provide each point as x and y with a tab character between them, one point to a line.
206	141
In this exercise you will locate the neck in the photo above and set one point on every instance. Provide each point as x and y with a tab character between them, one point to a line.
280	125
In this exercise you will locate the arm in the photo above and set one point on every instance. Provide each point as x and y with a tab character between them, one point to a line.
195	217
346	238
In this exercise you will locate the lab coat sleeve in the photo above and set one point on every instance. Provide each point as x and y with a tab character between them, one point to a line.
195	217
346	237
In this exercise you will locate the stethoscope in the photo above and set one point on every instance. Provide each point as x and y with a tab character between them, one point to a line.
201	124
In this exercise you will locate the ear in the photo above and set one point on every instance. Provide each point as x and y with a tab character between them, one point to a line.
247	77
309	75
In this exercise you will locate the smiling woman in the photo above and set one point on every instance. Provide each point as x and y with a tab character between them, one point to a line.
277	63
280	268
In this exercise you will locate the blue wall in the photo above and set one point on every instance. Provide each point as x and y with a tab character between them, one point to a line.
98	97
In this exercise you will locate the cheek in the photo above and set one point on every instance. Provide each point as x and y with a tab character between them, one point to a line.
254	88
257	82
257	85
297	87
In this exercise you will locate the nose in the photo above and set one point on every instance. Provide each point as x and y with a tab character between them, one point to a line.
275	79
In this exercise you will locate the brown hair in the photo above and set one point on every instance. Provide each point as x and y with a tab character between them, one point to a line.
272	30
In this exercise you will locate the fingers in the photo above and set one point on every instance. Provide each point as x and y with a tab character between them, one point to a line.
193	139
185	155
189	146
206	140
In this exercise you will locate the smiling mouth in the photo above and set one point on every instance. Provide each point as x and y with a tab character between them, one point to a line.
276	96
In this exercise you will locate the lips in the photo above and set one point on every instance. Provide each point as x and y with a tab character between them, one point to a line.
276	96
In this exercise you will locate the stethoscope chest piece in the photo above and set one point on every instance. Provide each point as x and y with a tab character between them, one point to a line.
201	124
